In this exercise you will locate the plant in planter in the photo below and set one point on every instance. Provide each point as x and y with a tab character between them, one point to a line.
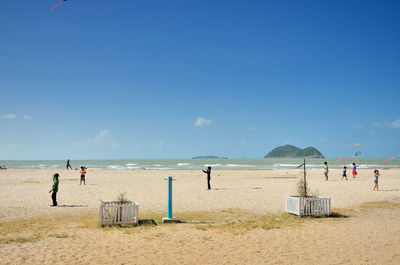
306	202
121	199
120	211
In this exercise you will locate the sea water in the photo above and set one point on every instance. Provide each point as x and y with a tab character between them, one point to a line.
196	164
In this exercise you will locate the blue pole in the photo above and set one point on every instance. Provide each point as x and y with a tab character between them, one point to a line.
169	197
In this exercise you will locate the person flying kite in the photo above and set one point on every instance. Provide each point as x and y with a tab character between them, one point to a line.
52	9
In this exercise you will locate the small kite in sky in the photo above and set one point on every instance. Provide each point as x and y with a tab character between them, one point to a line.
57	5
358	153
350	145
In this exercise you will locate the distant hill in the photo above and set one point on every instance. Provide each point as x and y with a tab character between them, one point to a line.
209	157
291	151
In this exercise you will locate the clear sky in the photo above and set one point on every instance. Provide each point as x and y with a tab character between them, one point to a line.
176	79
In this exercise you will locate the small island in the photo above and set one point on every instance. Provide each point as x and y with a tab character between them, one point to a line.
209	157
291	151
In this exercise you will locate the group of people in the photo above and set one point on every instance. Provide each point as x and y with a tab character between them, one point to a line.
354	172
54	187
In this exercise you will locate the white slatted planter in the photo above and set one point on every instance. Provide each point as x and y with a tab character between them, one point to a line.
308	206
113	213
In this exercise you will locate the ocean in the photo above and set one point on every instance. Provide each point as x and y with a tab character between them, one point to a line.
196	164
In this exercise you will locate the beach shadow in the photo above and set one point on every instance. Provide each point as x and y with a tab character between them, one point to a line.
197	222
71	205
146	222
256	188
391	190
338	215
333	215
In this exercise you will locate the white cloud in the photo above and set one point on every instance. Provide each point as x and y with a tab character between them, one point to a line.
250	128
9	116
201	122
27	117
60	134
243	144
358	126
323	140
102	135
104	138
393	124
371	132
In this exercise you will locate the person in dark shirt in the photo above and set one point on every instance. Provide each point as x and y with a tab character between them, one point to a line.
68	165
54	189
208	172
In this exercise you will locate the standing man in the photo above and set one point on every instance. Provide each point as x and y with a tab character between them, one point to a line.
54	189
68	165
208	172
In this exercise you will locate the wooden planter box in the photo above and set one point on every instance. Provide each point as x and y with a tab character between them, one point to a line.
308	206
113	213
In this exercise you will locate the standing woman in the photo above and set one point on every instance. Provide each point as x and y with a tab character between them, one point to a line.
208	172
376	173
326	170
354	170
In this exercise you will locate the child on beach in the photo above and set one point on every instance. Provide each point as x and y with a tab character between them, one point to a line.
208	172
83	173
376	173
344	173
54	189
326	170
354	170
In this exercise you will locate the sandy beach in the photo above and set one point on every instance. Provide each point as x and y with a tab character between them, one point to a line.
358	236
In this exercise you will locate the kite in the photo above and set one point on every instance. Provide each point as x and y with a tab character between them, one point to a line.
358	153
52	9
350	145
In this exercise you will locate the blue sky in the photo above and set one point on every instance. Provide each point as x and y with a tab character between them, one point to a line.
176	79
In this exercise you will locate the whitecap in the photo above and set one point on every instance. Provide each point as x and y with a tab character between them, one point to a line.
212	165
238	165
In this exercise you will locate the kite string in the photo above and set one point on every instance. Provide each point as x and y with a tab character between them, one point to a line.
56	5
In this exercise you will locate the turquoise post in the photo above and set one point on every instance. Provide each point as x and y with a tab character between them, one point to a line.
170	218
169	197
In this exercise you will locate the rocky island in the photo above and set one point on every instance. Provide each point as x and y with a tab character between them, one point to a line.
291	151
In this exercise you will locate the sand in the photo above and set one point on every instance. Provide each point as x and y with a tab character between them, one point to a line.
366	237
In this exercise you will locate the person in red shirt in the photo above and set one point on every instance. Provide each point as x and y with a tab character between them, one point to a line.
83	173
